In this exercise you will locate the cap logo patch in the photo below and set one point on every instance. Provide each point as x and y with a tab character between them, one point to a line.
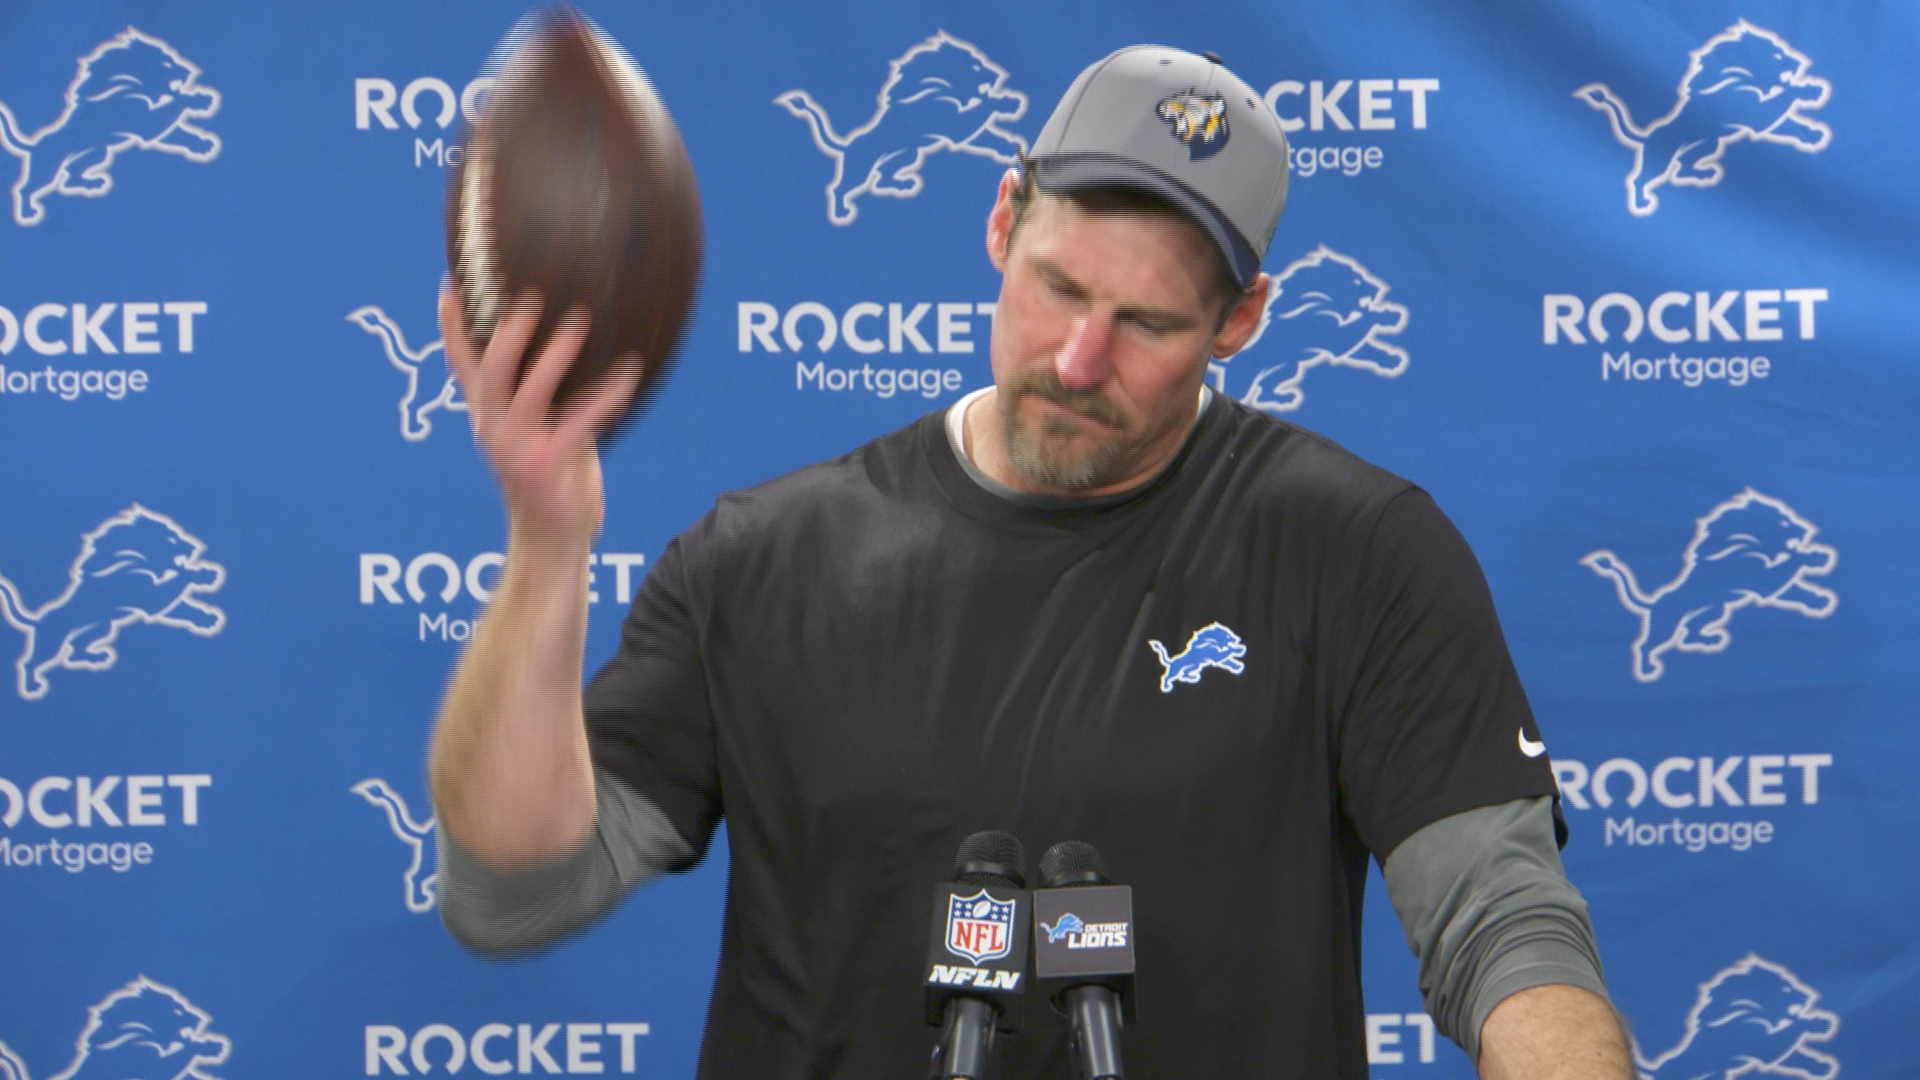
1196	120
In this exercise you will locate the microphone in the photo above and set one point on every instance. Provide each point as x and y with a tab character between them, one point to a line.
1083	953
977	953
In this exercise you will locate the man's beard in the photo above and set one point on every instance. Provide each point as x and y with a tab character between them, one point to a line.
1046	458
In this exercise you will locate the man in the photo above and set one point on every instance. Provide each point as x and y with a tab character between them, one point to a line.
1094	602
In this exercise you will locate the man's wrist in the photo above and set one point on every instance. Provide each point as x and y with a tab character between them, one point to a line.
544	556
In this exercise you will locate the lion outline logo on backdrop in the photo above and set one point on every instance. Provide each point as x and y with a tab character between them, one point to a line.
414	425
1324	308
1744	84
132	92
1753	1017
138	566
1212	646
1750	551
422	889
942	94
143	1029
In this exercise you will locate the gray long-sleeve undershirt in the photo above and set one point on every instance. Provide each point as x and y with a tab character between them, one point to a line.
1481	895
502	913
1488	910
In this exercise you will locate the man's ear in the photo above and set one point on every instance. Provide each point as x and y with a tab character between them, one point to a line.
1243	320
1000	220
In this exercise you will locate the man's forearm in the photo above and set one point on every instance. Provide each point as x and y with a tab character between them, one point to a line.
511	772
1554	1032
498	913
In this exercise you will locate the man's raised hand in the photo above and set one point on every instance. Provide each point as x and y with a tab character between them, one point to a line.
548	465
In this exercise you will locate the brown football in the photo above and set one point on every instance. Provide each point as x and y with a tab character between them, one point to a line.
574	183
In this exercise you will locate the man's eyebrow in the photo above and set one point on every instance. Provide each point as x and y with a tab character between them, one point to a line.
1054	274
1157	318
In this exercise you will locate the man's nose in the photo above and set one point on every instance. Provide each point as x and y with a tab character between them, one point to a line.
1085	360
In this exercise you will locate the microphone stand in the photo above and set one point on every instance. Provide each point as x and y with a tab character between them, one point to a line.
1094	1012
966	1042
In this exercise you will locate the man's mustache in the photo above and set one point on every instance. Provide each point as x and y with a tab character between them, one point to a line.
1047	386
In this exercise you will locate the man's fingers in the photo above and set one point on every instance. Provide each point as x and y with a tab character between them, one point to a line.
454	336
501	364
459	353
533	401
587	418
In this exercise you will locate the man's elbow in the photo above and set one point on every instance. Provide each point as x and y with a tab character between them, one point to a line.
492	937
504	914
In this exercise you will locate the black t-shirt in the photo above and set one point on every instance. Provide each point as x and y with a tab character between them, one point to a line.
861	663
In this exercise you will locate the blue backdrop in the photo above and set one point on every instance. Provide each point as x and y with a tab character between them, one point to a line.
1631	287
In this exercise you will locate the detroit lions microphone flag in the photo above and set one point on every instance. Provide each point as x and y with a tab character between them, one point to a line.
1632	289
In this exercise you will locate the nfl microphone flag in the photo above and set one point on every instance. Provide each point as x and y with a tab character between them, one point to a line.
977	943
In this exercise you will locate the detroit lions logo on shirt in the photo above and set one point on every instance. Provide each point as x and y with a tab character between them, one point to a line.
1211	646
1196	120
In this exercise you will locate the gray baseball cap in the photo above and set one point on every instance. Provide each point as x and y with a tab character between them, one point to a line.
1179	126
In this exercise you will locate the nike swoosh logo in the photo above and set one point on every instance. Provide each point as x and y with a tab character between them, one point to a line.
1531	749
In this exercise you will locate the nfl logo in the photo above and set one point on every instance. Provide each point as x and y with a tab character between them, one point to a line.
979	927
